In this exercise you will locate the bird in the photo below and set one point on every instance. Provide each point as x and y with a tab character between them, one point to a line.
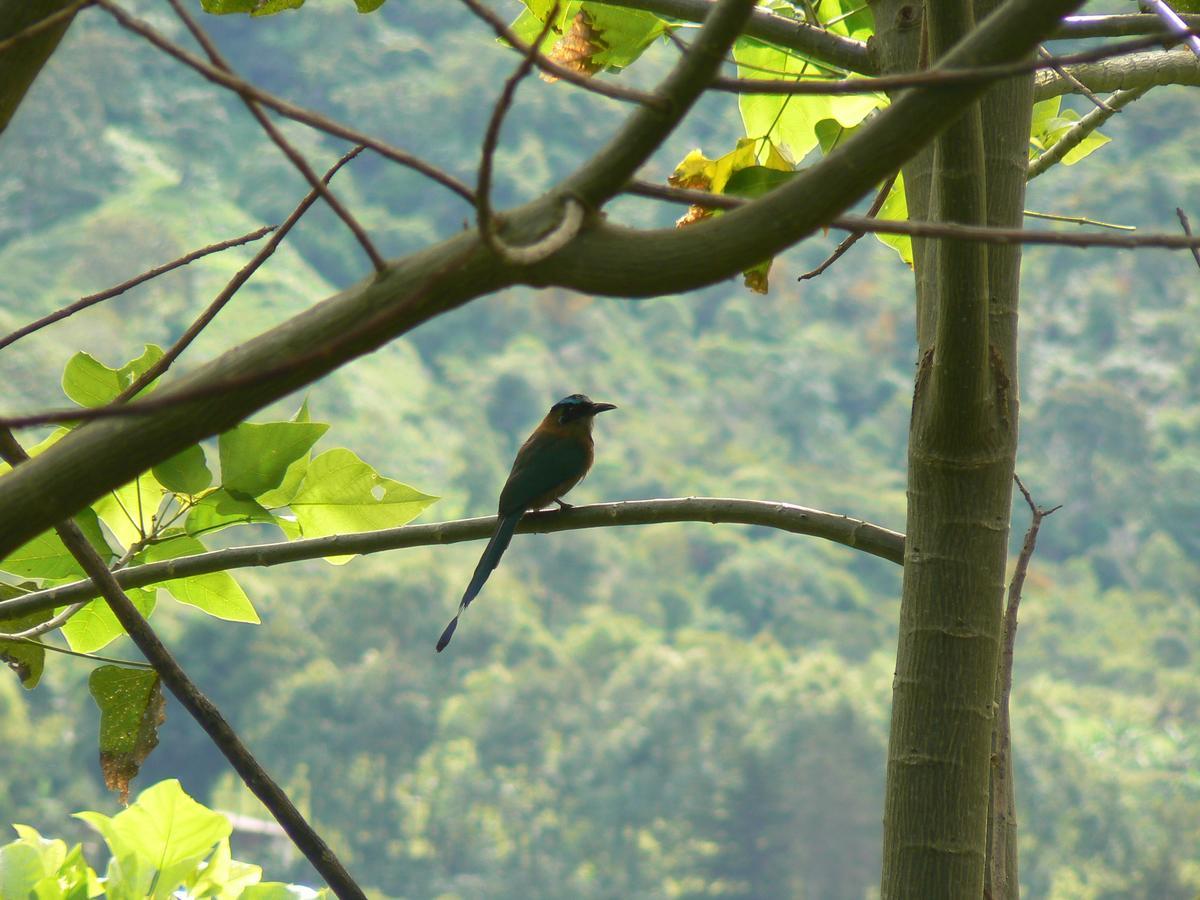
551	461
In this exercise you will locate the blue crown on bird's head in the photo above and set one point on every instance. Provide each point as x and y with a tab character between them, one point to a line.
578	406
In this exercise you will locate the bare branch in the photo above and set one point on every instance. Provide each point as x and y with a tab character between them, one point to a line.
854	236
1175	23
1187	229
791	34
117	290
1134	70
283	107
234	285
543	62
1074	28
1079	85
856	533
1078	132
929	229
276	136
195	702
1003	817
483	188
942	77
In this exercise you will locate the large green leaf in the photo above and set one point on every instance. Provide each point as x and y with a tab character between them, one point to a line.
91	383
342	494
47	557
95	626
186	472
215	593
161	840
255	456
791	121
1050	125
253	7
131	709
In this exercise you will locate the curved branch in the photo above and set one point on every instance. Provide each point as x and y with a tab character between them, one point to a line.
1135	70
603	259
873	539
764	25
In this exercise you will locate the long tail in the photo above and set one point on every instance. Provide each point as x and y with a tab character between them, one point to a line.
490	559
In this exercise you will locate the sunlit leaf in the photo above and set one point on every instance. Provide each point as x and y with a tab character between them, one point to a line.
95	626
47	557
186	472
255	456
215	593
91	383
25	660
220	509
342	494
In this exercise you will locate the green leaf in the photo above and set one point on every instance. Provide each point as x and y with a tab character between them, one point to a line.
366	6
220	509
215	593
95	626
184	473
46	556
754	181
255	456
131	709
625	33
164	838
222	876
342	494
26	660
21	870
792	121
90	383
895	206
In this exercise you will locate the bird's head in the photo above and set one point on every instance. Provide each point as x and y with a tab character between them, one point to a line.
577	408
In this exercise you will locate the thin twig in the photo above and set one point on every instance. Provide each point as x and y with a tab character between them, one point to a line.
857	533
94	657
329	349
1187	229
928	229
854	236
306	839
276	136
92	299
51	624
543	62
1002	815
1079	85
42	24
1077	220
1077	133
1177	26
483	188
928	77
235	283
283	107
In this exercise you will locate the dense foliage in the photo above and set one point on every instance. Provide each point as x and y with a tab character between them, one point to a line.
677	711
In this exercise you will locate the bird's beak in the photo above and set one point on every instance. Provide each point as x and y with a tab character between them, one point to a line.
601	407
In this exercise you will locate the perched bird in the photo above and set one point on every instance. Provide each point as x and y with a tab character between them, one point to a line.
552	461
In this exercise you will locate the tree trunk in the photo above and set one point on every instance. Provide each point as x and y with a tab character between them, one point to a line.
962	447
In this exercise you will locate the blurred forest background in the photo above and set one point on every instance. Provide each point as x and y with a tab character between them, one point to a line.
682	710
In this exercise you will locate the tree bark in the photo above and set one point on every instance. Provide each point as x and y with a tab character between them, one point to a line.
962	447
